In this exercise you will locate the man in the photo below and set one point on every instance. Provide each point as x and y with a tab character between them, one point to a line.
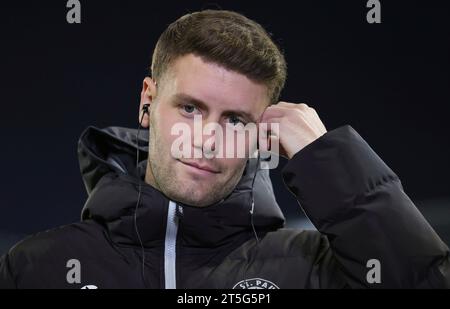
195	222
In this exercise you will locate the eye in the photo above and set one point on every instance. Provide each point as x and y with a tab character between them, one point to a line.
189	108
234	120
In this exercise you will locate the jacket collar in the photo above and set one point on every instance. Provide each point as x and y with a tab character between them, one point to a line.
107	164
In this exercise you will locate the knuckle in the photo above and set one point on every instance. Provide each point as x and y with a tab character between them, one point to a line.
303	106
299	112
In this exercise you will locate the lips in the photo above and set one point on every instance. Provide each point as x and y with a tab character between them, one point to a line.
200	166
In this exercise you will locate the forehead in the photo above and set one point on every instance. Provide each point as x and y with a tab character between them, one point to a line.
215	85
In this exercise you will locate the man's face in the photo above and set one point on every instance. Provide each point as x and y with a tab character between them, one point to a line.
194	87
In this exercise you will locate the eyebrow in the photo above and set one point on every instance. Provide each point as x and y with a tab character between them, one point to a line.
185	98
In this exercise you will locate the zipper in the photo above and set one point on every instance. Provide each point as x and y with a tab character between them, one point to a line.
170	247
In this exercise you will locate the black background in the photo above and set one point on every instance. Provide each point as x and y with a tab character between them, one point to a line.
390	81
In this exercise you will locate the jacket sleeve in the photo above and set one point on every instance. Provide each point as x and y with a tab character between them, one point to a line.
6	277
356	201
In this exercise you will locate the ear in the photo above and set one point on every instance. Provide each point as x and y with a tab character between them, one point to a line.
147	94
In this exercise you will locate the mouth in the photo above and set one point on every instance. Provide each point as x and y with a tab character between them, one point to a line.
201	168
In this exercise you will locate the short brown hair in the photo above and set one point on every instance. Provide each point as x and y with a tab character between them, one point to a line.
228	39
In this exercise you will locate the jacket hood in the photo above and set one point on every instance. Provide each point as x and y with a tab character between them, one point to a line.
107	159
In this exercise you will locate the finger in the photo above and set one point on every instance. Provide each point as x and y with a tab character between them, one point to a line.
317	121
286	109
302	106
270	126
307	113
272	112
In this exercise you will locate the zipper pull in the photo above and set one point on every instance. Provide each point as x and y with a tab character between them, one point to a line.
179	211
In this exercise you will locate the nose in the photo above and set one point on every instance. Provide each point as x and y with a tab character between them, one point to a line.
207	137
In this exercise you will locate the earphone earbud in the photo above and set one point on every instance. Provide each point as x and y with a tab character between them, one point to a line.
145	108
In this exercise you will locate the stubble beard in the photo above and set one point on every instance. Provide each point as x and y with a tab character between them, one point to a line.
165	178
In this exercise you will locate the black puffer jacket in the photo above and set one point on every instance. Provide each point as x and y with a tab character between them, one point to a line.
369	234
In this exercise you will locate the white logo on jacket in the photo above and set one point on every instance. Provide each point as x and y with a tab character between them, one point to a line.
89	287
256	283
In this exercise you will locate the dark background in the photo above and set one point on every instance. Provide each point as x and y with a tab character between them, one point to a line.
390	81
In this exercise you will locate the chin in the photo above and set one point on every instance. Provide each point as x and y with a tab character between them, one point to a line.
195	202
